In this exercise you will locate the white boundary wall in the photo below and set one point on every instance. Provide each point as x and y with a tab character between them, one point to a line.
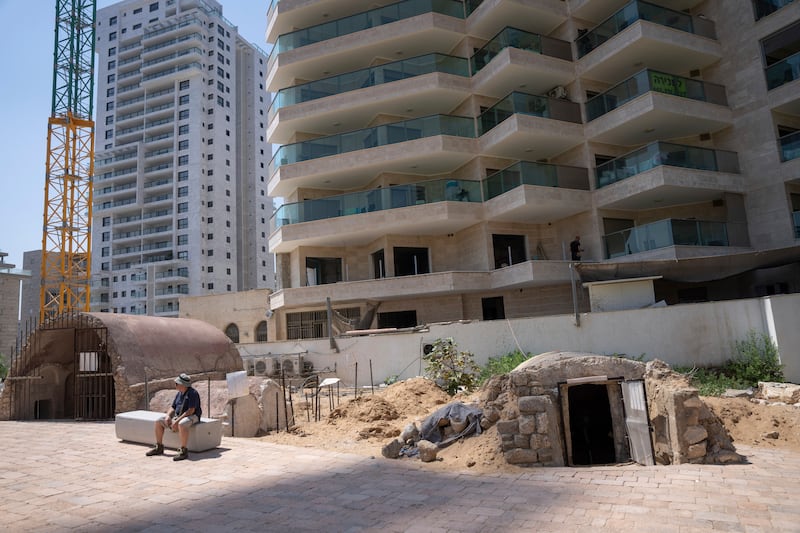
681	335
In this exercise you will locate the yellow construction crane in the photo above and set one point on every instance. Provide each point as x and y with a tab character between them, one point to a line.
66	239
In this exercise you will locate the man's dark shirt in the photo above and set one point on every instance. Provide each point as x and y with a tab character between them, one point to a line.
192	398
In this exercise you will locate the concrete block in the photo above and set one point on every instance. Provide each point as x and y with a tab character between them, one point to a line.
138	426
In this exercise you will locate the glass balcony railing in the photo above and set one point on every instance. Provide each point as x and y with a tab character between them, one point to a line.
528	104
652	80
637	10
790	146
522	40
367	19
767	7
796	218
426	192
369	77
529	173
663	153
665	233
784	71
383	135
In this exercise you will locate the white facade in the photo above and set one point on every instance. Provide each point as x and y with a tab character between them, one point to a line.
180	193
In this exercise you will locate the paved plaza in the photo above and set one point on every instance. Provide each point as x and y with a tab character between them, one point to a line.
67	476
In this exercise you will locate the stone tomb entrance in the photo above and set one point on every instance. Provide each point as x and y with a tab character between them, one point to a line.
562	408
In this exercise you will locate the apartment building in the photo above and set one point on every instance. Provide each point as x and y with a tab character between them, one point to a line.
437	157
180	183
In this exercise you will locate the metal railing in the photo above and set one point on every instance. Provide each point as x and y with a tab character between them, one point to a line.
665	233
528	104
522	40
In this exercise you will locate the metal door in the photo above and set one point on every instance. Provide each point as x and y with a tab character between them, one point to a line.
637	422
94	377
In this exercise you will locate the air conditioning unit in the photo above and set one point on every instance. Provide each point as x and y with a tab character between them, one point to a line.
261	366
557	92
292	365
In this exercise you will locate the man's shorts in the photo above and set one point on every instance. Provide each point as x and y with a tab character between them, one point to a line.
186	422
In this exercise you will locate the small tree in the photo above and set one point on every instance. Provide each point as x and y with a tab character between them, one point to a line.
449	368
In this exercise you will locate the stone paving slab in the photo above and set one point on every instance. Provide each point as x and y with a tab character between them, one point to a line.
69	476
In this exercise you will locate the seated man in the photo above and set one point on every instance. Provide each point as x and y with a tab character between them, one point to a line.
184	412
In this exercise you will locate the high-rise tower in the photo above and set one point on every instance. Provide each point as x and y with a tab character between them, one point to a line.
438	156
180	196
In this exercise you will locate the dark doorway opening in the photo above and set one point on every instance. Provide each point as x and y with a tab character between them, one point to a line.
508	250
410	261
590	425
493	308
397	319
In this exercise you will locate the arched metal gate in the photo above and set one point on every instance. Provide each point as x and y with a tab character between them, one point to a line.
61	369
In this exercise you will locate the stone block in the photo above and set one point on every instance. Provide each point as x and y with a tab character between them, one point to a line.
139	426
520	456
695	434
527	424
522	441
696	451
508	427
533	404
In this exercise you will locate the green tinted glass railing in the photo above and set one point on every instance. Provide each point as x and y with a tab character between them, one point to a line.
426	192
790	146
522	40
784	71
767	7
637	10
529	173
383	135
369	77
665	233
528	104
796	218
652	80
663	153
367	19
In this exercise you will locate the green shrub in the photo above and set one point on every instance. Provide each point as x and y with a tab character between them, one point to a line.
449	368
3	367
502	365
755	359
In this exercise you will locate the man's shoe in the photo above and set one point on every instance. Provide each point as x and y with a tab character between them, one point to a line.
158	449
183	453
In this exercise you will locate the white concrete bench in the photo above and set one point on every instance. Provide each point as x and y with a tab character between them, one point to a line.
138	426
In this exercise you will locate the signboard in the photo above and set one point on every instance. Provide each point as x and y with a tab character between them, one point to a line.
237	384
664	83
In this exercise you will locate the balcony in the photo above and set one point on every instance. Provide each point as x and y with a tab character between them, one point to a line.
520	275
790	146
536	193
525	126
434	207
515	58
663	234
435	156
663	39
418	86
485	19
644	108
783	72
768	7
417	27
665	174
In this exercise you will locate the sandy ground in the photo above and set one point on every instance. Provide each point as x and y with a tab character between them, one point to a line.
363	425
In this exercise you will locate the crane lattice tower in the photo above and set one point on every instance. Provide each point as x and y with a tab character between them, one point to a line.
66	240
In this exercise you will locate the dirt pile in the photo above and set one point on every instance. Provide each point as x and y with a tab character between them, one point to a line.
363	425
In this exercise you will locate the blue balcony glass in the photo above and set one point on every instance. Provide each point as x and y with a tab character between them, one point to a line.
522	40
652	80
383	135
790	146
426	192
796	218
369	77
529	173
663	153
637	10
368	19
528	104
767	7
784	71
665	233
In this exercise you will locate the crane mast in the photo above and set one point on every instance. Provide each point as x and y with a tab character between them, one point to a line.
66	238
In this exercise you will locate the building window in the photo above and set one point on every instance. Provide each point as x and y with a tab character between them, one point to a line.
183	145
183	129
183	240
112	64
112	36
184	99
183	192
232	331
183	114
210	286
183	223
153	7
183	207
183	175
184	85
112	21
183	160
112	51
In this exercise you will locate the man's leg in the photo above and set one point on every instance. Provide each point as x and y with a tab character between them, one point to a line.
158	449
183	432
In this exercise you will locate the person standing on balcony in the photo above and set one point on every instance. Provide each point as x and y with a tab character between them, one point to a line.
575	248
